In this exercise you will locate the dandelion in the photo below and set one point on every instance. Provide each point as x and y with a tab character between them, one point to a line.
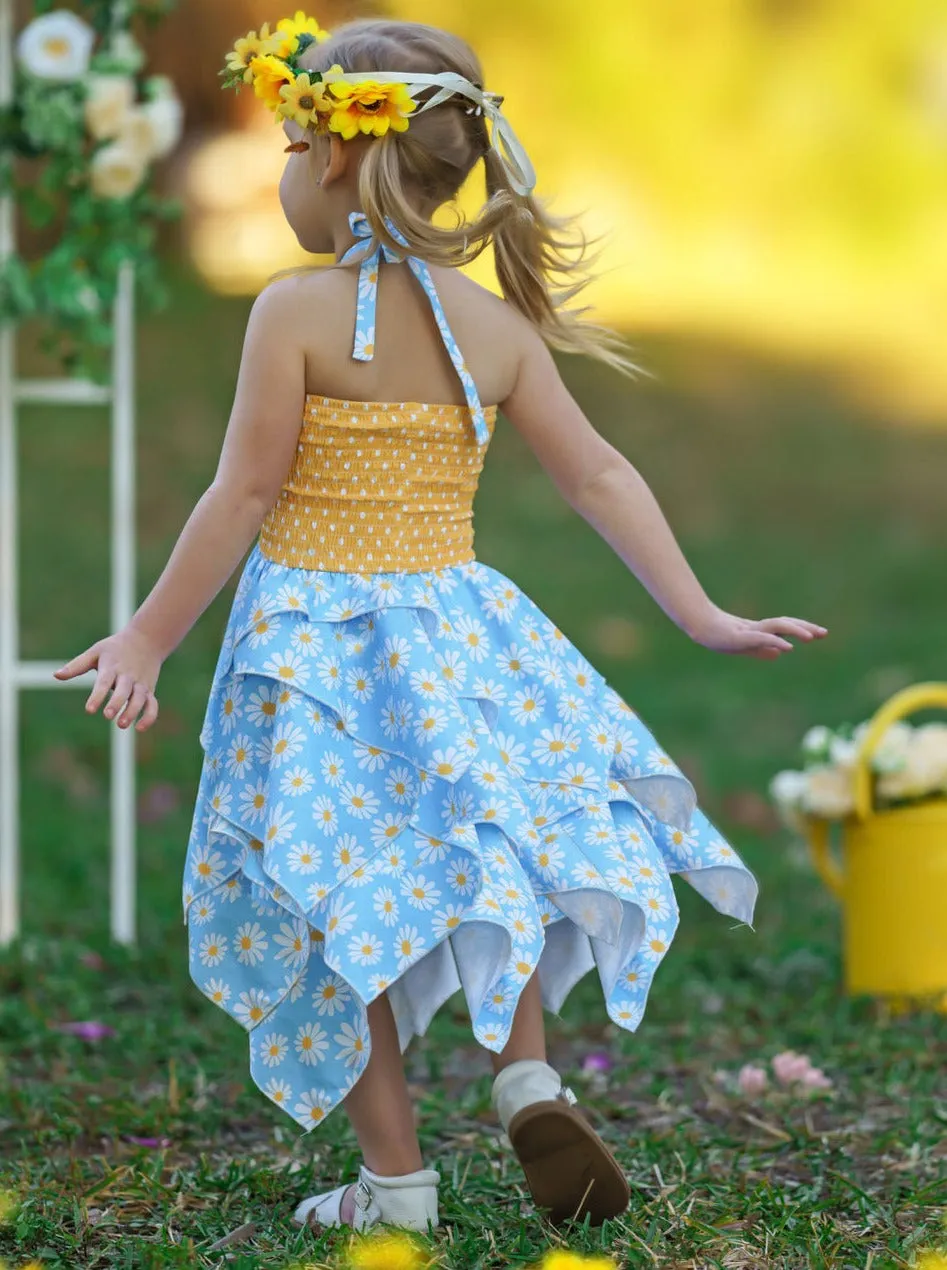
563	1259
387	1252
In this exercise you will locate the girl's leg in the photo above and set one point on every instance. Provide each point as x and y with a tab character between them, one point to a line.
528	1034
379	1105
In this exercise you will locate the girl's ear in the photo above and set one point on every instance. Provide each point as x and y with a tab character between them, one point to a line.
337	163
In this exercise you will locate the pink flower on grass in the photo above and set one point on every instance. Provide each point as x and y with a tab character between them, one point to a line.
597	1062
87	1031
790	1067
752	1080
795	1069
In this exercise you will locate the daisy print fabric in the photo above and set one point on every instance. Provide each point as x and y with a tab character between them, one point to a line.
414	783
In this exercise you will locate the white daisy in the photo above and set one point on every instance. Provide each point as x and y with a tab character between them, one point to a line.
312	1044
512	752
419	892
721	852
297	780
409	944
283	743
453	669
656	942
330	672
251	1007
303	857
473	635
324	813
279	826
331	995
333	769
393	659
341	916
353	1044
400	784
264	629
371	758
280	1091
447	763
212	950
288	668
427	683
358	800
460	876
347	854
201	912
313	1107
218	991
555	743
549	861
250	943
446	920
365	949
231	707
316	718
207	866
385	829
655	903
293	941
263	705
659	762
306	639
386	906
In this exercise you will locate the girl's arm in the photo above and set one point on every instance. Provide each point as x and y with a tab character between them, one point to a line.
614	498
257	453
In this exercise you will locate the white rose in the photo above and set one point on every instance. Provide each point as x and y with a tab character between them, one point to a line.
154	128
829	792
891	754
109	100
787	790
816	740
56	46
116	172
842	753
924	770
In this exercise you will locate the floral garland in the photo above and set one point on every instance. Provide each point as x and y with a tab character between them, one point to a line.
82	105
327	101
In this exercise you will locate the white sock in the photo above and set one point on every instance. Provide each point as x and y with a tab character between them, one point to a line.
521	1084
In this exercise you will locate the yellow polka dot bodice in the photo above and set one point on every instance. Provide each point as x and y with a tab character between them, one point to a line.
378	488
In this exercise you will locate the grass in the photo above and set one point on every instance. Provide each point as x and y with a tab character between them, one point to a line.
785	499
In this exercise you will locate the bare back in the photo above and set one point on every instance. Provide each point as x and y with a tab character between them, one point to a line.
409	361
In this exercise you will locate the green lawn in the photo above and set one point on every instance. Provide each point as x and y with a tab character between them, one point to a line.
785	501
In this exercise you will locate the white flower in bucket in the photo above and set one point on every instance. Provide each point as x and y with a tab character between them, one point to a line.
56	46
109	101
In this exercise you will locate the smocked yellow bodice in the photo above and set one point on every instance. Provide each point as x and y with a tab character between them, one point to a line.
378	488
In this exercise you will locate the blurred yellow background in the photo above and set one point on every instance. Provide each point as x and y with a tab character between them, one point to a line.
774	171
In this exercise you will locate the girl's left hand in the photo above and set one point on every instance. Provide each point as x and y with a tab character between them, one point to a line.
128	665
726	633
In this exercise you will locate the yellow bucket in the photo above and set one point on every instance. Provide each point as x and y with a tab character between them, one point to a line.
892	879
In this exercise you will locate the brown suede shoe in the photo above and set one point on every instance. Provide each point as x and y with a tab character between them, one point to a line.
569	1169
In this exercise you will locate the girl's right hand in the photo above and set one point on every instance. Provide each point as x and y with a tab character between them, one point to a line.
129	665
726	633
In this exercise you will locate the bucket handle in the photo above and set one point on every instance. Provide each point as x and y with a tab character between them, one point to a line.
917	697
827	867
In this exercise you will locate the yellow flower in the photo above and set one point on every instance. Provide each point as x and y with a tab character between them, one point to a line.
269	74
368	107
386	1252
302	100
251	46
932	1261
292	28
563	1259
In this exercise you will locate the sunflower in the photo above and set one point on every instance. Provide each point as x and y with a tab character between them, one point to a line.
368	107
250	47
269	73
292	28
303	101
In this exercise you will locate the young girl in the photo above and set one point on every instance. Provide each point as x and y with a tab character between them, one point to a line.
413	782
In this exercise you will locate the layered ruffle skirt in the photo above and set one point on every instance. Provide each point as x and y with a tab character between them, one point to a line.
413	783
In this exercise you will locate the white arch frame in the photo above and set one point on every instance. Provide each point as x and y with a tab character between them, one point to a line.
15	674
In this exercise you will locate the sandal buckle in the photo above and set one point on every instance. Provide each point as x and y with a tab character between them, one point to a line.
363	1196
567	1096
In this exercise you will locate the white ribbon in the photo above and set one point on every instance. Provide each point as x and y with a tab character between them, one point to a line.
503	139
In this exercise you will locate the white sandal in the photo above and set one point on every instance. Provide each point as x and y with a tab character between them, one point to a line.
409	1201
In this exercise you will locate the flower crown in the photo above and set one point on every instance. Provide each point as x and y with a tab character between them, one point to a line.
357	103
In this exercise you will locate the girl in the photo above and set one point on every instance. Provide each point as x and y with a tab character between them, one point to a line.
413	782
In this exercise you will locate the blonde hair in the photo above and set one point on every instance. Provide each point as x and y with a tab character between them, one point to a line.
542	261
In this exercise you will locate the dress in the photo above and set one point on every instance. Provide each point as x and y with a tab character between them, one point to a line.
412	781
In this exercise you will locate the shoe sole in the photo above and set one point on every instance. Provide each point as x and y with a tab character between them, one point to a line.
569	1169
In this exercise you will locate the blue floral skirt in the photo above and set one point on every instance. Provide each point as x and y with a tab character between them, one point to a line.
413	783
